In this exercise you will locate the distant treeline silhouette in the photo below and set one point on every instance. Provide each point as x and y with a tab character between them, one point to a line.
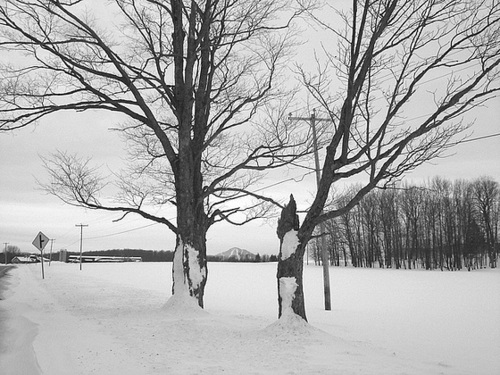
146	255
437	225
163	255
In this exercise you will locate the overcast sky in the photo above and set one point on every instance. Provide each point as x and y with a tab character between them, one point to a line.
25	210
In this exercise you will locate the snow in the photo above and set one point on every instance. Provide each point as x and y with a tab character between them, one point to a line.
111	319
197	273
288	286
290	244
178	270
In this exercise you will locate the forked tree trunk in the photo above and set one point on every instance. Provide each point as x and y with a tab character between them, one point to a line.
290	264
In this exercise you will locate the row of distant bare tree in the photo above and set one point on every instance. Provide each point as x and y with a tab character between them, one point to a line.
438	225
9	252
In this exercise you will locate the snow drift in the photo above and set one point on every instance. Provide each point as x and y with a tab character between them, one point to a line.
112	319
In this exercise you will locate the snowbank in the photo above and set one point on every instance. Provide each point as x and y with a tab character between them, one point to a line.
111	319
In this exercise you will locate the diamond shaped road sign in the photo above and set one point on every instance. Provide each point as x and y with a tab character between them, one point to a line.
40	241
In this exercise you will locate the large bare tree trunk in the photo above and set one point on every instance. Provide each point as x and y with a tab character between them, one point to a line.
290	264
189	272
189	269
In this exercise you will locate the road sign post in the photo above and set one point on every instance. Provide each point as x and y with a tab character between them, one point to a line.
40	241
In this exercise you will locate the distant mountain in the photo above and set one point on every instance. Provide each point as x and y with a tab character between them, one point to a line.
236	254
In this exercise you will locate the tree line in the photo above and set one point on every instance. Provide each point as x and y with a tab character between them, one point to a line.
168	256
436	225
9	252
146	255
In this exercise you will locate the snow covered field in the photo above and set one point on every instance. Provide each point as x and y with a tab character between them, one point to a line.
111	319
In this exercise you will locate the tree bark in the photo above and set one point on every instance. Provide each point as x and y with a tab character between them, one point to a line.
290	264
189	271
190	253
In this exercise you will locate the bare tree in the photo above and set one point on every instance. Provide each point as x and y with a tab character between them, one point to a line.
467	228
8	253
336	245
369	209
377	75
389	221
436	225
194	83
351	228
487	198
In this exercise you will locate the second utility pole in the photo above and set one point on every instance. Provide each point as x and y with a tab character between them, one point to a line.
5	252
324	250
81	240
51	245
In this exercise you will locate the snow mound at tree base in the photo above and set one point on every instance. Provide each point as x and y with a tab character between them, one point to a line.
183	306
291	324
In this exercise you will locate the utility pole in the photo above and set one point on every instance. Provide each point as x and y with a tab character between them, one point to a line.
5	251
324	251
81	240
51	245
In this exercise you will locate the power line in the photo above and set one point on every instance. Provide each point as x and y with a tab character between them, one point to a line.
295	179
122	232
477	138
301	177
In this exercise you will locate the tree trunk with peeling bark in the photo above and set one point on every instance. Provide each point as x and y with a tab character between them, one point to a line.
189	272
192	222
290	263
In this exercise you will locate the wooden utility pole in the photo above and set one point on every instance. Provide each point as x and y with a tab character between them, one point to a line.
51	245
5	251
81	240
324	250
